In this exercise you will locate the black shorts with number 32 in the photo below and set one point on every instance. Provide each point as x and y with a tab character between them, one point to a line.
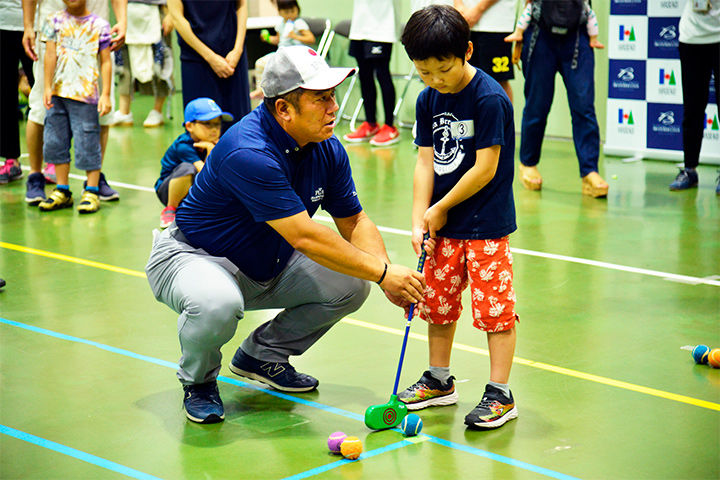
492	54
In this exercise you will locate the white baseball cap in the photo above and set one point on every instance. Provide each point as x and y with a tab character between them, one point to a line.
299	66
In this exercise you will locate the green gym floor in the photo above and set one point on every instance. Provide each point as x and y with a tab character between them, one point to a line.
608	292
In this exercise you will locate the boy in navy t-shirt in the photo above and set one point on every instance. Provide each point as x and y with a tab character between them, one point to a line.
463	197
186	156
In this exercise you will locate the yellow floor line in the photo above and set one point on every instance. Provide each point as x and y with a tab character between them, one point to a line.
416	336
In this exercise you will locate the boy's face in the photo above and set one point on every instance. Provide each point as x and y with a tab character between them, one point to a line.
446	75
205	131
289	14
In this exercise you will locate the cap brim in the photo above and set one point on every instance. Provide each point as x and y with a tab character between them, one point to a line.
331	78
227	117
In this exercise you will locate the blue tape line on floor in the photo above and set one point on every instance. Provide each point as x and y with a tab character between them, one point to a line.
71	452
351	415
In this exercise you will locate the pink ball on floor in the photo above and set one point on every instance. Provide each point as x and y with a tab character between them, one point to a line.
335	440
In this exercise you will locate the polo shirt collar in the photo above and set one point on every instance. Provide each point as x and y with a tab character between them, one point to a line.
281	139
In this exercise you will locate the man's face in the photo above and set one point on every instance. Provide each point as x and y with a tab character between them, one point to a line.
313	119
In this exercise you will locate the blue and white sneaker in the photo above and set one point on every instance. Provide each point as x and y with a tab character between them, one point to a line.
687	178
105	192
281	376
35	192
203	404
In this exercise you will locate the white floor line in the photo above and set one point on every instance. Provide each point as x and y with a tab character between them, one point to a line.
711	280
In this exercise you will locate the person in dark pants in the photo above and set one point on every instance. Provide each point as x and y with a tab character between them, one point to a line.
11	34
213	61
699	59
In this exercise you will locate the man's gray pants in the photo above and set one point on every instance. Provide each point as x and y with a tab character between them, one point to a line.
211	295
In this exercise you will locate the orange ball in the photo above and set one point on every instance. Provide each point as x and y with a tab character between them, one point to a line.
351	448
714	358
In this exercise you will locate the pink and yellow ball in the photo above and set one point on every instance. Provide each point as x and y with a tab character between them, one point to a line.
334	441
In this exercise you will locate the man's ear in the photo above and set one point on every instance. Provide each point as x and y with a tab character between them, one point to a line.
283	109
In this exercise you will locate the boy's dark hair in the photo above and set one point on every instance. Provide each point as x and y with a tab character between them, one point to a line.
437	31
287	4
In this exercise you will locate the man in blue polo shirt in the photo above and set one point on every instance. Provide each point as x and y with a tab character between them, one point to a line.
243	239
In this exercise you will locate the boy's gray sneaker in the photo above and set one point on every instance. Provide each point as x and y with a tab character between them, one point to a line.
493	410
428	392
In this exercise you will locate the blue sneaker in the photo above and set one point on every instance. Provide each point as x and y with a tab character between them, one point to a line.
35	192
281	376
105	192
687	178
203	404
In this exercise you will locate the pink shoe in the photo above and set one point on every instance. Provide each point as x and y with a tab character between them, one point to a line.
363	133
10	171
49	173
167	216
387	135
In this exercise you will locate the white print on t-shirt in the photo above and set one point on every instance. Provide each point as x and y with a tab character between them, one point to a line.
447	133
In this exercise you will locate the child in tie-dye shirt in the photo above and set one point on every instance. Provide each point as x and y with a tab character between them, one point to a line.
76	39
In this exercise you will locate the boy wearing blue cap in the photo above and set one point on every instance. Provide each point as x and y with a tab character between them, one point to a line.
186	156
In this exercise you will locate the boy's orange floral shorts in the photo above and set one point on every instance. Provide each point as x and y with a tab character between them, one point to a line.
487	266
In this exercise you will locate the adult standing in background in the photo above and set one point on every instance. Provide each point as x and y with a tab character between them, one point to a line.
213	61
699	58
11	32
490	22
373	31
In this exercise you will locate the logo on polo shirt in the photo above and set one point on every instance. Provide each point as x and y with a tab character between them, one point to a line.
319	195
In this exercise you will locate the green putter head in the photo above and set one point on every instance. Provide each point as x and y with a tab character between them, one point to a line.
387	415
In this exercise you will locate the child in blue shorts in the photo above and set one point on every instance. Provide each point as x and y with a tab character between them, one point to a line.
75	40
463	198
186	156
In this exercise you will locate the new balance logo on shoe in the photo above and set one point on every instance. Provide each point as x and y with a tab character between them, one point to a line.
272	369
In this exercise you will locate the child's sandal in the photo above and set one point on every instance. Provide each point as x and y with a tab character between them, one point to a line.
594	186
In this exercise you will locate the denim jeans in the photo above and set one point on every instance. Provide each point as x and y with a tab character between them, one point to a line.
552	54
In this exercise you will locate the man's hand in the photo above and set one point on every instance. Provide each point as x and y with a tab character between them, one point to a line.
403	284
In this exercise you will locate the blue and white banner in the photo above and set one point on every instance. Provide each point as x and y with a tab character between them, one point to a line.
644	106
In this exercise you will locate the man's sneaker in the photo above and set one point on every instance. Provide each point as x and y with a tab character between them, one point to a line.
89	202
687	178
281	376
428	392
167	216
493	410
387	135
105	192
363	133
35	192
58	199
154	119
120	119
10	171
49	172
202	403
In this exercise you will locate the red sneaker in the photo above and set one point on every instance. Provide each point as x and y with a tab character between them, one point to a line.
364	133
387	135
167	216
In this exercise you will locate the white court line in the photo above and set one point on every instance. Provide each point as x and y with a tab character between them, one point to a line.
712	280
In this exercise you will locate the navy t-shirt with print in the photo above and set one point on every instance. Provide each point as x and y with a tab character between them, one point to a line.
257	173
456	126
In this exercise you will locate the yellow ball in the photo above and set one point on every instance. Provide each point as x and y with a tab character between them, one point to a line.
714	358
351	448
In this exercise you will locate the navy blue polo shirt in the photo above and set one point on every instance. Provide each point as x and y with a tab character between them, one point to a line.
257	173
457	125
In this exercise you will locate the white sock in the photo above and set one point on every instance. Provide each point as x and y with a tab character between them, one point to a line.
441	373
504	387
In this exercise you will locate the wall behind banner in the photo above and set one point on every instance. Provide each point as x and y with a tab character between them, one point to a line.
559	120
